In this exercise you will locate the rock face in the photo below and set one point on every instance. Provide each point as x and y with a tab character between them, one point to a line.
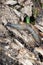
39	21
20	43
24	8
41	1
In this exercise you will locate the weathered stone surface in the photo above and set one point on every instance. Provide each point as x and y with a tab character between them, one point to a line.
20	43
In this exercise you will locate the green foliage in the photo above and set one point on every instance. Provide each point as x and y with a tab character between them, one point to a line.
27	19
42	6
